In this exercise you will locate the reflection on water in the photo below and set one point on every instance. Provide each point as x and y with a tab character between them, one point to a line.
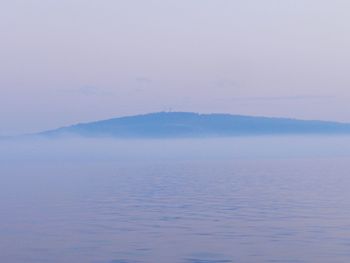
190	210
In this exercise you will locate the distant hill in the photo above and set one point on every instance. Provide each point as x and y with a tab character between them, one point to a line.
187	124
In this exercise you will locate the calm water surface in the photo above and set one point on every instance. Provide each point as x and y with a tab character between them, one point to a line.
191	210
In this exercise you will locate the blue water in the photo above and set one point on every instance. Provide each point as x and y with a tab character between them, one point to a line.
64	205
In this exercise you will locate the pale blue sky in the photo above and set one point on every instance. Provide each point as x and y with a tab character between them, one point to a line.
68	61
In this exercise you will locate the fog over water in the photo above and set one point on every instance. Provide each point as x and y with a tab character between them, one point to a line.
105	149
247	199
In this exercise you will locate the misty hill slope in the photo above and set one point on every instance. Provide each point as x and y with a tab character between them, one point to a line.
186	124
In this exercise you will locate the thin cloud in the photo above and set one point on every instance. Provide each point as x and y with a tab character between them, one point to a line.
88	90
282	98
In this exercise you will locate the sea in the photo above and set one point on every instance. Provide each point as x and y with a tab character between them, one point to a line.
282	199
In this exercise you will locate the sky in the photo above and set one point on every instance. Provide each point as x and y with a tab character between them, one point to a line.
69	61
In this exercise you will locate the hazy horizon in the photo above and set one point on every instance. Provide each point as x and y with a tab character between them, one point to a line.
172	124
71	61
